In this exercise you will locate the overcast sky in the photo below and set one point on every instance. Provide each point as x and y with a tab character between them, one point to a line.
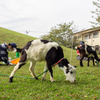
39	16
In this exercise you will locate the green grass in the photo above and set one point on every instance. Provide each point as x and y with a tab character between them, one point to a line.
8	36
87	86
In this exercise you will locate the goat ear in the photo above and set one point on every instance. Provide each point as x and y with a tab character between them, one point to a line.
75	66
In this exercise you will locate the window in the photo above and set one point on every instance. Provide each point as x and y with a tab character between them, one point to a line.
87	37
95	35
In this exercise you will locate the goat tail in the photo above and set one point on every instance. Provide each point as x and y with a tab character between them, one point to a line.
17	50
96	56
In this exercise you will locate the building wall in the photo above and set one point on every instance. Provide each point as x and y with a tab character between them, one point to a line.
96	41
92	40
89	37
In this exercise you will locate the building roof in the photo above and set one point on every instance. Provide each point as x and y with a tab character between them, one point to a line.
88	31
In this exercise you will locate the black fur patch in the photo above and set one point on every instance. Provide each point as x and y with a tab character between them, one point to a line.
36	78
45	41
54	55
28	45
11	79
51	56
63	62
71	72
21	65
23	56
67	71
19	50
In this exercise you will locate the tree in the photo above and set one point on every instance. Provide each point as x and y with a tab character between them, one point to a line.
62	34
97	13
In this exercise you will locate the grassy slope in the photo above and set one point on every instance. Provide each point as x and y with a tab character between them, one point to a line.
87	86
8	36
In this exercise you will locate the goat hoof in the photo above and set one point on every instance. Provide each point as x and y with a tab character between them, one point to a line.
11	79
53	81
81	65
36	78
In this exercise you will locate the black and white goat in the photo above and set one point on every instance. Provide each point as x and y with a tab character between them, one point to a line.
89	52
43	50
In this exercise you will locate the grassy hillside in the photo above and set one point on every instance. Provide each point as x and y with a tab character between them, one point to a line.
87	86
8	36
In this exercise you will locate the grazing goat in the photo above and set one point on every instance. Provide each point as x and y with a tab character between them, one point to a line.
43	50
89	52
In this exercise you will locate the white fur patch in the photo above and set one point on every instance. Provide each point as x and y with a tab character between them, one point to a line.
93	48
71	66
38	50
69	76
14	49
